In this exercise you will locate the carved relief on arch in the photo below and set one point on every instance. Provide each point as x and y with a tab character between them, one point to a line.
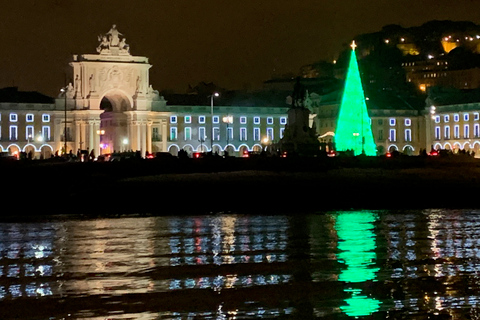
115	76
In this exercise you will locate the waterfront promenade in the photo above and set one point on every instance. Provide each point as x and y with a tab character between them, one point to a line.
260	186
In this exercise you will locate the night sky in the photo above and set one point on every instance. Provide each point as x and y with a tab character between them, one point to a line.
235	44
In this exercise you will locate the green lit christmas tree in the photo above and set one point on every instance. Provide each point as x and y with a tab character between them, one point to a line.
354	131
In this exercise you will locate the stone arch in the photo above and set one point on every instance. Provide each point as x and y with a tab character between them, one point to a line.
392	148
114	120
408	150
257	148
457	147
216	149
188	148
46	151
230	149
14	150
447	146
116	100
29	149
437	146
243	150
173	149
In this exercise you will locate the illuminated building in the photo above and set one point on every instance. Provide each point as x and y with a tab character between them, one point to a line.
435	72
453	120
111	106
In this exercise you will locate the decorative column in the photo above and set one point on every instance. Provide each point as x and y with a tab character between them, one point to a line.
164	136
139	136
78	128
144	137
91	127
149	136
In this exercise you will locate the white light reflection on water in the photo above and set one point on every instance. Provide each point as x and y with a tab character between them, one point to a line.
418	264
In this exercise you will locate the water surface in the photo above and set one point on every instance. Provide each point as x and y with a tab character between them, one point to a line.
329	265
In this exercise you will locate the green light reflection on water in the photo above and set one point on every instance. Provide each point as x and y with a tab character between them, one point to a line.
356	246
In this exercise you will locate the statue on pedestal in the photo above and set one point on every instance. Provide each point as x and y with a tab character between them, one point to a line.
112	43
299	138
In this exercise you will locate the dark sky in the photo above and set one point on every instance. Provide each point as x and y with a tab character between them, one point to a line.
235	44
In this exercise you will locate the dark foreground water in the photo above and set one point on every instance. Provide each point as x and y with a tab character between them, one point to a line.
333	265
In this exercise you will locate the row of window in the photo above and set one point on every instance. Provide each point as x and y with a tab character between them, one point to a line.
216	119
456	117
29	117
393	122
456	132
392	135
30	135
229	134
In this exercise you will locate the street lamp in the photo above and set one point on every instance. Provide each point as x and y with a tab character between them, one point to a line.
215	94
40	140
125	142
64	90
228	120
101	132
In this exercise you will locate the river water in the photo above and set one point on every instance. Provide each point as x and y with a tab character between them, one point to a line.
327	265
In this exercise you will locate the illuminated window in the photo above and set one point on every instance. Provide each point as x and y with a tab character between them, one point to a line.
13	133
456	132
201	119
476	131
270	134
476	116
29	117
447	132
230	133
456	117
408	135
380	135
243	120
408	122
393	135
45	118
173	134
256	134
446	118
243	134
437	119
201	134
173	119
46	133
256	120
283	120
29	132
188	119
392	121
188	133
216	134
269	120
13	117
216	119
465	117
466	131
282	130
437	133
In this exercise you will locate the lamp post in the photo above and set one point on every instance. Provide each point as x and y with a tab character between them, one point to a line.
101	132
64	90
215	94
125	142
40	140
227	120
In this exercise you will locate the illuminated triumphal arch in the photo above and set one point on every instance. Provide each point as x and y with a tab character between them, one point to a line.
110	101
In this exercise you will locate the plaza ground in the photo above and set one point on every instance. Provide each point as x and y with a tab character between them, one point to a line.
259	186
